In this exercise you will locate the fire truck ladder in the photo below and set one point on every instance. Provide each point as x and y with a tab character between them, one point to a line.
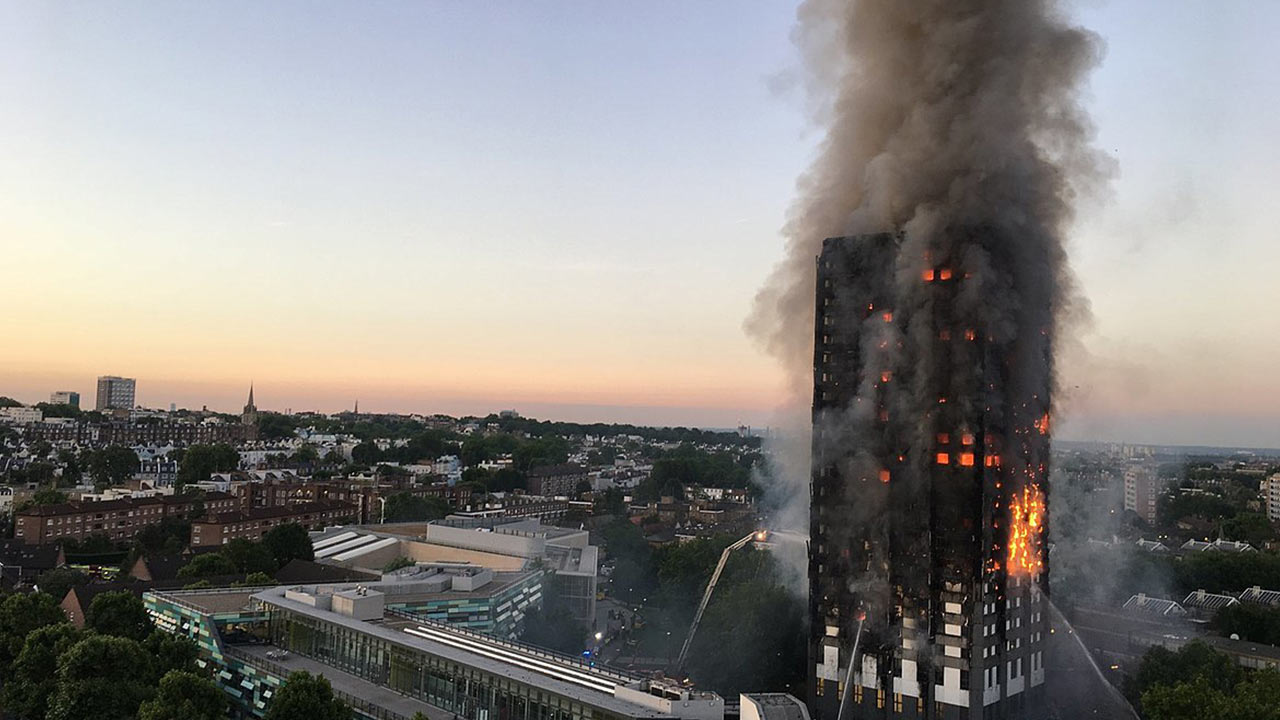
711	586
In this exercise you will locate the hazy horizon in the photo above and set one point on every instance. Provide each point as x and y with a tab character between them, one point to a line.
465	208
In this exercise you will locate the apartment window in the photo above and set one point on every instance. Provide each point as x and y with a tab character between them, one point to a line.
879	698
897	702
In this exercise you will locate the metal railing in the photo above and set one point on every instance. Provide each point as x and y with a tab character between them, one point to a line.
359	704
573	661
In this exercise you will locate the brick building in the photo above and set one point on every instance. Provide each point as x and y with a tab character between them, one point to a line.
116	519
128	433
552	480
252	524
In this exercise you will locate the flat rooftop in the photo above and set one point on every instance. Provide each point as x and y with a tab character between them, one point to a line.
343	682
545	670
213	601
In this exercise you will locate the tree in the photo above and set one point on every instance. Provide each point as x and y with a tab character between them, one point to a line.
169	653
404	507
57	581
31	682
288	542
119	613
170	535
98	679
113	465
39	473
1253	528
207	565
46	496
21	614
40	448
365	454
254	579
308	696
1194	660
185	696
249	557
274	426
610	502
775	644
199	462
397	563
1252	698
1251	622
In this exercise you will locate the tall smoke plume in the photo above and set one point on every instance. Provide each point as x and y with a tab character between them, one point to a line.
958	123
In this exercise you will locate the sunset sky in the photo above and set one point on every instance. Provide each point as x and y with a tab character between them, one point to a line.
564	208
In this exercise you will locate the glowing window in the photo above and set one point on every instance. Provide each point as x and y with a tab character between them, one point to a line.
927	275
944	459
966	459
884	476
970	335
967	439
943	438
944	274
888	317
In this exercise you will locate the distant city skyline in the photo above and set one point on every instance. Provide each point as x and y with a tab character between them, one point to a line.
461	208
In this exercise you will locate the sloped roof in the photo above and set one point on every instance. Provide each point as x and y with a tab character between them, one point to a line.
1257	596
1155	606
1208	601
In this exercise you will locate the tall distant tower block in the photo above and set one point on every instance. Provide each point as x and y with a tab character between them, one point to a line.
115	393
928	559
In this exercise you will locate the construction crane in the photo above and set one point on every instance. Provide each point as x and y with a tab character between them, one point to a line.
759	536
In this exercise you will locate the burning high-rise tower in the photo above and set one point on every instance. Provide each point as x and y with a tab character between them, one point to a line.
927	564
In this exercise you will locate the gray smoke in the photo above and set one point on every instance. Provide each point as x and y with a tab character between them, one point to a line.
958	123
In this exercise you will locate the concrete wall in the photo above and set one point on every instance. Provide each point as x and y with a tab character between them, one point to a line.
494	542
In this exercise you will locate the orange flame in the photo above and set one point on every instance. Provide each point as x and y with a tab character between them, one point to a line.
1043	424
1026	529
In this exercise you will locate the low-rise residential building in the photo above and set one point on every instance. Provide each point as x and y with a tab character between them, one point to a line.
21	415
1144	604
114	519
253	523
157	473
553	480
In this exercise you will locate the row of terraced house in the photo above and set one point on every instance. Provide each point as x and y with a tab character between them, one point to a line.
221	517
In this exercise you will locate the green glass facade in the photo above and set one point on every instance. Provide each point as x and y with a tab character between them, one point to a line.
469	692
499	614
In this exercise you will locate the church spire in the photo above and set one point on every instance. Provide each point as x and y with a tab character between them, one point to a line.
250	414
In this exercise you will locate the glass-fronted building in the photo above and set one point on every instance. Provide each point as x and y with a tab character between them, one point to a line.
389	664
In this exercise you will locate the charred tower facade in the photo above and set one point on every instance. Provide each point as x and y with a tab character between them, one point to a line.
927	560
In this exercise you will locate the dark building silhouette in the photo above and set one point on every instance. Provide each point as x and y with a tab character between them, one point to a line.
930	447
